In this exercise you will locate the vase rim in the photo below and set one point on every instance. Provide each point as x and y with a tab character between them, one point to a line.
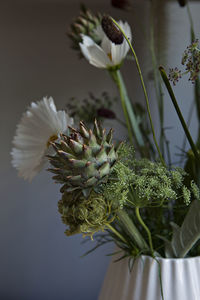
171	259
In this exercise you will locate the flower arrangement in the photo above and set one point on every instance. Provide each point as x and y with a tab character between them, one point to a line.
127	192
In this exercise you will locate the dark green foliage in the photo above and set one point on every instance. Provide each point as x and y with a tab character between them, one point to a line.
159	193
91	108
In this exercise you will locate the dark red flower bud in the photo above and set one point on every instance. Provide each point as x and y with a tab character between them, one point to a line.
106	113
111	30
122	4
182	2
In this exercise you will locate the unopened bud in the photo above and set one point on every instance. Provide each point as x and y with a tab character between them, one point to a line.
121	4
111	30
106	113
182	2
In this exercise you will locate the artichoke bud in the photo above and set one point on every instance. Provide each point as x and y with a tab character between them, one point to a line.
85	23
78	28
84	159
76	146
65	147
84	132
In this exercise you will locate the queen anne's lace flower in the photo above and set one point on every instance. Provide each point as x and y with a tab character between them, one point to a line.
107	54
39	125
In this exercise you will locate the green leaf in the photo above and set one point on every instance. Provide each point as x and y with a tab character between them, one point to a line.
187	235
132	230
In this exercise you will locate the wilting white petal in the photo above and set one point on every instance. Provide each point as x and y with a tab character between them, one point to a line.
127	30
106	45
87	42
119	52
38	125
107	54
94	53
98	57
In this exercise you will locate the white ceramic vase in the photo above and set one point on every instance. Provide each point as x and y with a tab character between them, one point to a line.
180	279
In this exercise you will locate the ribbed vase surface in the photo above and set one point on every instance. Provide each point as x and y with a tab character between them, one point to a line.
180	279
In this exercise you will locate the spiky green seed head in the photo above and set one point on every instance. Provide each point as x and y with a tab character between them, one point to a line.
85	23
82	215
84	159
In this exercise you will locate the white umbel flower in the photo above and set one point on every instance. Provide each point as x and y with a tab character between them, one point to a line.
108	54
39	125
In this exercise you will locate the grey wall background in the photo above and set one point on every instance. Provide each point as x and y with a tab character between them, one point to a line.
37	261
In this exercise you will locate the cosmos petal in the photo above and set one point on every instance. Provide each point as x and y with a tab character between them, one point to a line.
98	57
108	54
38	124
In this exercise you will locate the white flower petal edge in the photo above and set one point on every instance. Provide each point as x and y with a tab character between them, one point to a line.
94	53
37	126
119	52
108	54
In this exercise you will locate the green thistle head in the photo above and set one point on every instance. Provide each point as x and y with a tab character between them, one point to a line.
82	215
85	23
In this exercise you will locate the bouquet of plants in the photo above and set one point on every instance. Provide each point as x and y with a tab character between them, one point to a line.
127	191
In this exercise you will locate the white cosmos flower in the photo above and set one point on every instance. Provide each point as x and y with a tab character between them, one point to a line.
108	54
39	125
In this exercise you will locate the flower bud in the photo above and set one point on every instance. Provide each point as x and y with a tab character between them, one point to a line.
111	30
182	2
121	4
85	23
106	113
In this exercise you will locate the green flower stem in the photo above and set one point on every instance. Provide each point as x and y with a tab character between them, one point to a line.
157	80
137	211
132	230
122	97
191	22
144	90
183	123
116	233
197	81
130	117
197	97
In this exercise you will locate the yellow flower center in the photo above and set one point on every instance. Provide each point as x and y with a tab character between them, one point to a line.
51	139
110	55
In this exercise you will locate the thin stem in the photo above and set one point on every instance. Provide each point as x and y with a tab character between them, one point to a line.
116	233
129	114
157	82
168	152
188	125
115	76
144	90
183	123
197	81
137	211
191	21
